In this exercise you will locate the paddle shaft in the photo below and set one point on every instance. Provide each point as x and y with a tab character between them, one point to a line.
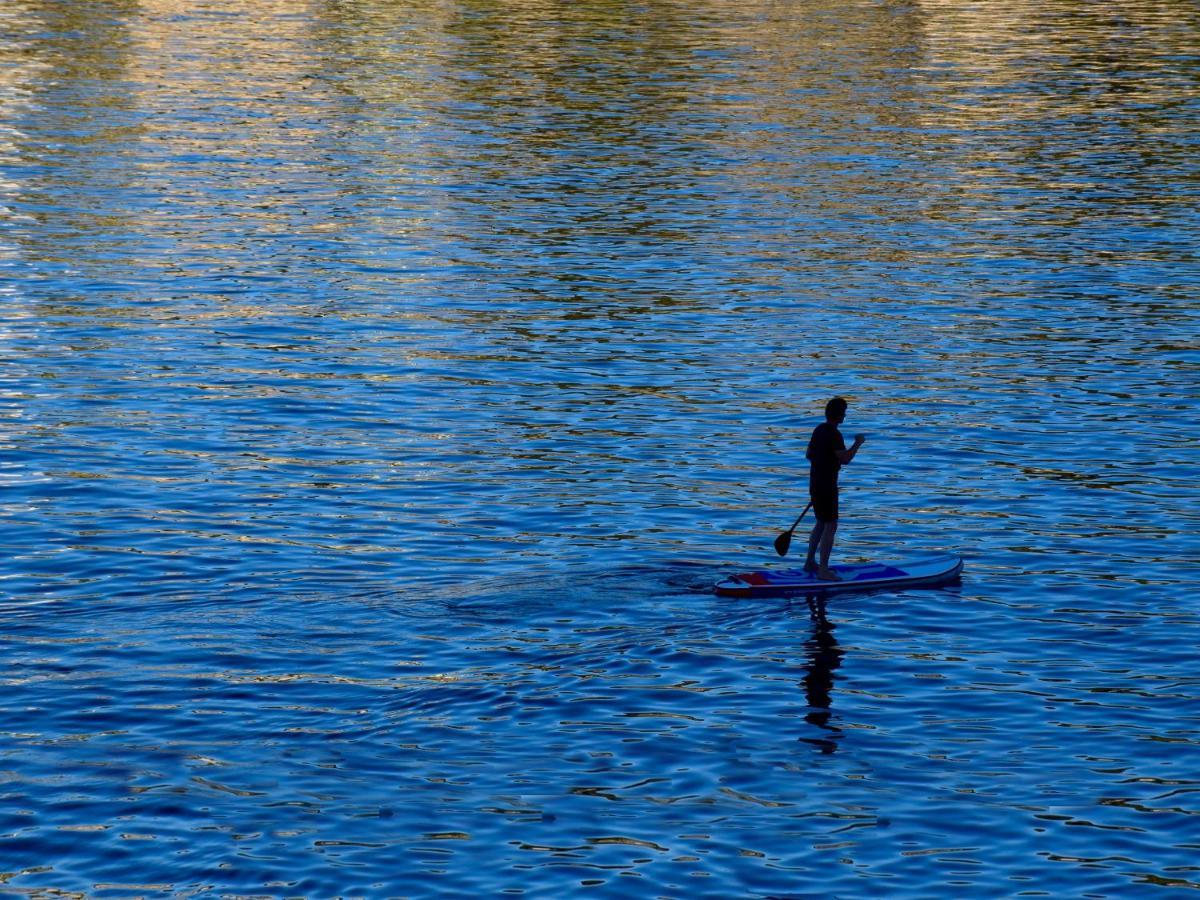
784	541
799	517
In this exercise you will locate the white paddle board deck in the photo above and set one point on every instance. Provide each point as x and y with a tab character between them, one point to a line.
925	570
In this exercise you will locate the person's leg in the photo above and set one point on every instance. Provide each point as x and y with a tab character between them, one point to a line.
830	521
814	542
824	572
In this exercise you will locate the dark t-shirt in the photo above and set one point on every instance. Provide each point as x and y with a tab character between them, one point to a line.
823	446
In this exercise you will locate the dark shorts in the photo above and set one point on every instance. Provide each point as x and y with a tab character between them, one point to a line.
825	504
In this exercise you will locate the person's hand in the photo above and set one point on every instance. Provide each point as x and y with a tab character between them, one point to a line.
859	438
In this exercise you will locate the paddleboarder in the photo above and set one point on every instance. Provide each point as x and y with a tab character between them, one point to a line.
826	454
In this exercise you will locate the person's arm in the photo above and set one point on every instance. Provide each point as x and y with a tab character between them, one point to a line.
845	456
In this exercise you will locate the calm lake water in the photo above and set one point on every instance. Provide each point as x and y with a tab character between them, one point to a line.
384	385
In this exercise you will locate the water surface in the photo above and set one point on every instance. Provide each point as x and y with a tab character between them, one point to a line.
385	385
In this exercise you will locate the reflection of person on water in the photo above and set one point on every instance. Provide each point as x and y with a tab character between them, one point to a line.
826	454
824	656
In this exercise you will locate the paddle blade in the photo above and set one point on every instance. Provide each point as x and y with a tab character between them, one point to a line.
783	542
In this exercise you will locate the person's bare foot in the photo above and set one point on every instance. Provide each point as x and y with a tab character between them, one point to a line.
827	574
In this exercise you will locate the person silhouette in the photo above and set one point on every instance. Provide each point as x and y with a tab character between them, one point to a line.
826	455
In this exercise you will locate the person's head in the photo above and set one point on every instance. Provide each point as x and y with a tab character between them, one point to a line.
835	410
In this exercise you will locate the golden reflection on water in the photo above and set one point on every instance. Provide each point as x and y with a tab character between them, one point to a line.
206	111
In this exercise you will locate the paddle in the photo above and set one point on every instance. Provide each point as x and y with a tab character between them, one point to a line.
785	540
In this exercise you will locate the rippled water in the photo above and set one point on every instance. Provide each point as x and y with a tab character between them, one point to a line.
384	386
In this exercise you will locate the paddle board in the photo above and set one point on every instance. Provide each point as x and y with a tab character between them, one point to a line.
923	570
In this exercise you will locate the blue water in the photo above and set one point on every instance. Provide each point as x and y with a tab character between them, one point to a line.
384	386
